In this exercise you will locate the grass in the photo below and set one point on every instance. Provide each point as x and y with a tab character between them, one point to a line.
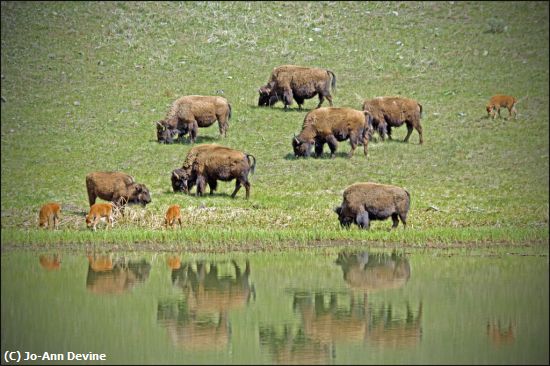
84	84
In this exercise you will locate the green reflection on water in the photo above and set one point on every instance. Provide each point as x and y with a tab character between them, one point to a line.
294	307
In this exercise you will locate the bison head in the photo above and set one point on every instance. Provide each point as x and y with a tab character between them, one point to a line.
265	96
179	180
345	218
165	134
139	194
301	148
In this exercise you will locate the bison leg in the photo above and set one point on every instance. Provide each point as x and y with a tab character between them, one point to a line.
419	130
179	221
394	218
55	222
403	218
319	148
362	220
91	197
193	130
201	183
333	145
409	131
213	184
353	140
237	187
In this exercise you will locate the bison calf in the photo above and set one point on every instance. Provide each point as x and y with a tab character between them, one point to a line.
49	213
364	202
172	214
387	112
97	212
330	125
209	163
501	101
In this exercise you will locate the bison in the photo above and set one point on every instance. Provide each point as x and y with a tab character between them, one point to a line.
209	163
498	101
364	202
330	125
49	213
97	212
172	214
289	82
190	112
388	112
117	187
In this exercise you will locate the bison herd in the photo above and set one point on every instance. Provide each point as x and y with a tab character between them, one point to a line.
205	164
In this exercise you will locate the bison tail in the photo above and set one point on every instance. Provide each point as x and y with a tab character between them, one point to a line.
333	82
420	105
229	116
253	165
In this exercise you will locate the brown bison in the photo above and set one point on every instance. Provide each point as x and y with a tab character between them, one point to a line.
190	112
172	214
364	202
117	187
498	101
48	215
289	82
209	163
388	112
97	212
330	125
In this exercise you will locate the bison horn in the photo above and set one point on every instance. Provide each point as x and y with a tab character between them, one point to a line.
160	126
296	139
175	174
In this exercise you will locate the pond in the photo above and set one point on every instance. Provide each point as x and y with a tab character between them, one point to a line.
335	306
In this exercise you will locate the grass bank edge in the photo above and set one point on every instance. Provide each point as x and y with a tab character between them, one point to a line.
262	239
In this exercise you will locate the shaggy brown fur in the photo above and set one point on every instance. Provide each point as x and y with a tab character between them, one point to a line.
98	211
210	163
190	112
330	125
501	101
364	202
388	112
49	212
117	187
172	214
289	82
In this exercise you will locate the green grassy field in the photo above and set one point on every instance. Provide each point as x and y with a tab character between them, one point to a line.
84	83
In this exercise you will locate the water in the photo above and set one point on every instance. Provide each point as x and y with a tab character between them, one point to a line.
313	307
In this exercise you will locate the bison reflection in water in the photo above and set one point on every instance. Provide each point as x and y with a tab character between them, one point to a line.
50	262
500	335
370	272
106	276
199	321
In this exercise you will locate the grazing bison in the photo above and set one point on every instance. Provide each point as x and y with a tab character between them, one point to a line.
49	213
498	101
209	163
330	125
289	82
388	112
364	202
97	212
190	112
119	188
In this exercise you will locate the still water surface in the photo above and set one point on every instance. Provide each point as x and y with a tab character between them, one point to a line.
314	307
